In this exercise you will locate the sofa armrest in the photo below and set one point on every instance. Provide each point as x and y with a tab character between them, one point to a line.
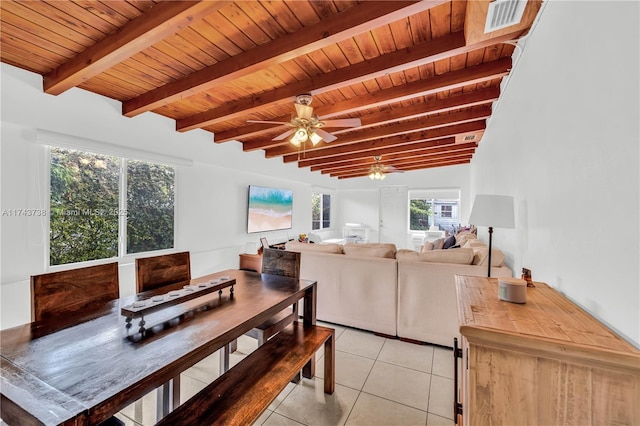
427	309
354	291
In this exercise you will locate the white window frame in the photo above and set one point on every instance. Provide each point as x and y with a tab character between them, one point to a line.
59	140
322	194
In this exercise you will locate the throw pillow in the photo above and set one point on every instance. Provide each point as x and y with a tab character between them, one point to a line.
473	243
437	244
426	247
450	241
465	236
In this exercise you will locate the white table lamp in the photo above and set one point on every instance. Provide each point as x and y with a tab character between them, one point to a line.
492	211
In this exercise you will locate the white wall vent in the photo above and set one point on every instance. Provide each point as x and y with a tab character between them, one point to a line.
504	13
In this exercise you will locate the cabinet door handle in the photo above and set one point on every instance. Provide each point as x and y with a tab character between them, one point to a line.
457	405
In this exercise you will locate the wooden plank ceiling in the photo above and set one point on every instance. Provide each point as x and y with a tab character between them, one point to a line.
420	75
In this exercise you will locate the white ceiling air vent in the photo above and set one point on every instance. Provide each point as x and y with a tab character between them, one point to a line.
504	13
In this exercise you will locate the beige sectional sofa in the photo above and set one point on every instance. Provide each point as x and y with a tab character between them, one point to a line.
397	293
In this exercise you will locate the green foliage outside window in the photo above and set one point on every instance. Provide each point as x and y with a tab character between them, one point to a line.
85	210
149	206
419	212
84	206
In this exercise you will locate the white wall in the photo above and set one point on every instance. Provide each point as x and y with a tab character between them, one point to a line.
564	142
360	197
211	197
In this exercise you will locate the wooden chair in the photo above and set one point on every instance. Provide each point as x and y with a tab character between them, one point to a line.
274	262
159	271
58	297
66	298
155	272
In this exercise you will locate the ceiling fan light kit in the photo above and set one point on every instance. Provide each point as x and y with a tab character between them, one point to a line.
377	175
307	126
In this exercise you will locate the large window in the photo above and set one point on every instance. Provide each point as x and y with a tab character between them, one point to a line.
99	212
433	208
320	211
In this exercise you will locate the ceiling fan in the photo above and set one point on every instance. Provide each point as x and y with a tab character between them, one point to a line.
306	125
378	170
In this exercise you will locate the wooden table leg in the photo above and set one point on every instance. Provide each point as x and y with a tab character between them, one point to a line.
309	318
330	365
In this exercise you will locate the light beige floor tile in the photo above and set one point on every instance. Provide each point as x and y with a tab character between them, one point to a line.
276	419
441	397
360	343
246	345
287	390
206	370
124	419
263	417
443	362
434	420
371	410
338	328
399	384
351	370
189	387
142	411
308	404
410	355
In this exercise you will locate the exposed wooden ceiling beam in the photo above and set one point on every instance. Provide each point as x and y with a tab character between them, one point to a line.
425	135
427	165
389	130
437	106
438	145
407	158
349	23
420	148
428	52
162	20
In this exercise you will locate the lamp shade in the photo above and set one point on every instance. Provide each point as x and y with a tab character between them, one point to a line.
493	210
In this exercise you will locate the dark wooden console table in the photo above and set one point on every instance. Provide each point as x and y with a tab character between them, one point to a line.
85	373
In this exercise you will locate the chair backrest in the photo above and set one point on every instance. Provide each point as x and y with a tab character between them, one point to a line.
58	295
281	262
159	271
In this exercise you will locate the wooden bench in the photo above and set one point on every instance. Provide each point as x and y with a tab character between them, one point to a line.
243	393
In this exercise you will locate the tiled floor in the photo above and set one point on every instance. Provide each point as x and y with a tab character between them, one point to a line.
378	382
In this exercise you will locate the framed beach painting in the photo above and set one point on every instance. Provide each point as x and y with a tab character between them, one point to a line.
269	209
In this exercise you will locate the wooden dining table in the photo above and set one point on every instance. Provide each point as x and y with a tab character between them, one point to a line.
90	370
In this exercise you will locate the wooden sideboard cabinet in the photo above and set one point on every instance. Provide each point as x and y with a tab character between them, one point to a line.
545	362
251	262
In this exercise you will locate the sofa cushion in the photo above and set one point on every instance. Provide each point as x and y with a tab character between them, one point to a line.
322	248
463	237
459	256
426	247
370	250
473	243
481	255
437	244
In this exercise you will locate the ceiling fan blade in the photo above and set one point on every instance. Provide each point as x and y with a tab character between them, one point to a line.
304	111
328	137
345	122
268	122
391	169
284	135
